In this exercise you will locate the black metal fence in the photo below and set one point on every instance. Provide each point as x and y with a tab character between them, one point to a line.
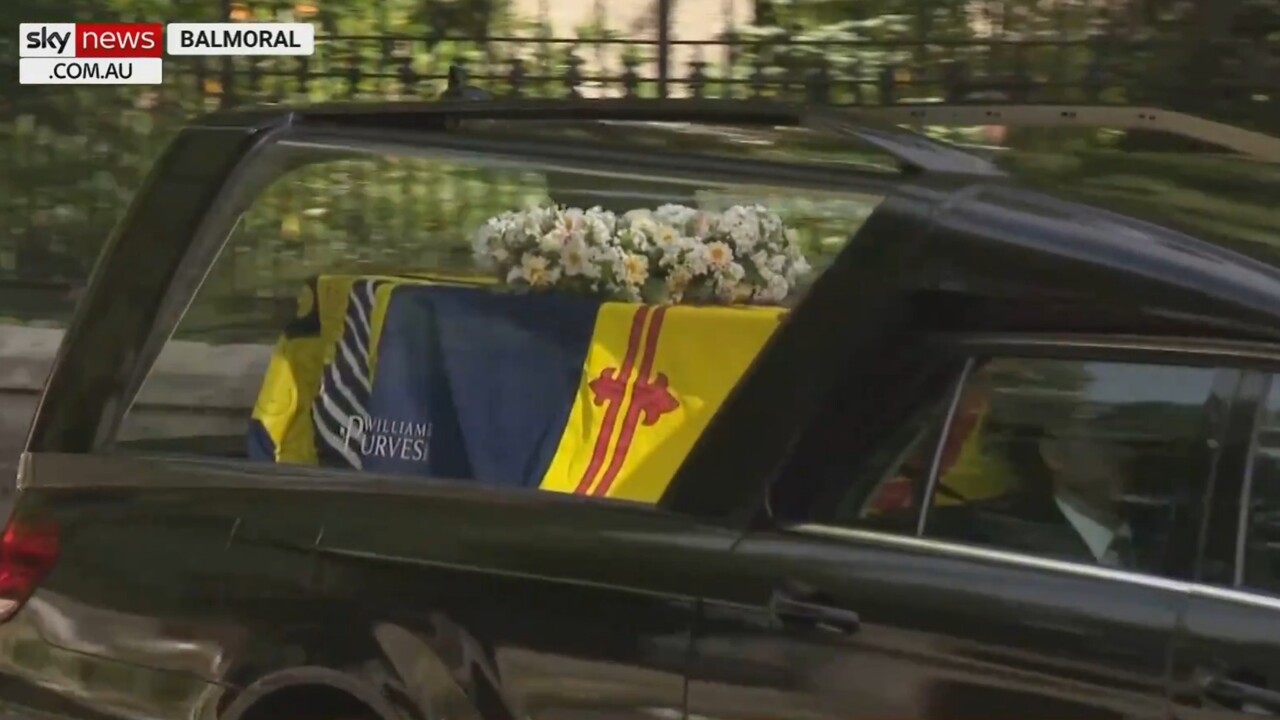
76	154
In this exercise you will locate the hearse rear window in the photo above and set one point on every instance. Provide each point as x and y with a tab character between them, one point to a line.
484	320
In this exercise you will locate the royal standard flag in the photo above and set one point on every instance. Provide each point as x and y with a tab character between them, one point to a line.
652	379
556	391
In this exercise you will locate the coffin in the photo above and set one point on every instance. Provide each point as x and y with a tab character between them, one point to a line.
447	378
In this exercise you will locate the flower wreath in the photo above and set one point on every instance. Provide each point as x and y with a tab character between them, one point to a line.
673	254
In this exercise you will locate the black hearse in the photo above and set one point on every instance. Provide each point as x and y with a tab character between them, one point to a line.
943	445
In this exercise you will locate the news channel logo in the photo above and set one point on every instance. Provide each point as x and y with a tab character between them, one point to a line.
133	53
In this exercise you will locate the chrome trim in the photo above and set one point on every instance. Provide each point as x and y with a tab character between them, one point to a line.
932	480
1246	490
1234	595
23	478
971	552
1177	347
1255	145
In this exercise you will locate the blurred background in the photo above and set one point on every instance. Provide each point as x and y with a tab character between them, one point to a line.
75	155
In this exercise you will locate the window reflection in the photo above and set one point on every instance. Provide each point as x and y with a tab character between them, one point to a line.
1074	460
1262	537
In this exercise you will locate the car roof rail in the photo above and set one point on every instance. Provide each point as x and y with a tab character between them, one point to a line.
461	103
915	153
1249	143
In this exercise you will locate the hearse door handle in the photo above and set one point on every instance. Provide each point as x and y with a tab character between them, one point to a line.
1242	696
803	613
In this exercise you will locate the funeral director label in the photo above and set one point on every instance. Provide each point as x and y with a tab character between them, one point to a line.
240	38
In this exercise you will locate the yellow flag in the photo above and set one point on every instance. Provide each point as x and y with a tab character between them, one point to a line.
653	377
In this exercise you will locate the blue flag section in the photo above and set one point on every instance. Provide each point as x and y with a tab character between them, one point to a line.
471	385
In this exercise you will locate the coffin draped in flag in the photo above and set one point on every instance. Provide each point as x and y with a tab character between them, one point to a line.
557	391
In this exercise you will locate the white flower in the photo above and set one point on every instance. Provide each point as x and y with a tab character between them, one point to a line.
733	272
575	258
676	215
744	238
554	241
698	259
607	255
536	270
531	225
633	269
632	217
600	229
719	254
776	290
573	223
618	255
678	282
726	291
666	237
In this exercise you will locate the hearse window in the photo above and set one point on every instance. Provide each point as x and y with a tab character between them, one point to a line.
1084	461
482	320
1261	556
885	491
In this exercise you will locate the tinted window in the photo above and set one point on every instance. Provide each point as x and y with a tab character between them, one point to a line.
886	489
1262	533
484	320
1095	462
1076	460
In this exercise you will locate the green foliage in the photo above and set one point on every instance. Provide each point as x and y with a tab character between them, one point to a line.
75	156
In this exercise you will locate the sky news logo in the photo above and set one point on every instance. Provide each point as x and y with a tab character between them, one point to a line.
91	53
132	53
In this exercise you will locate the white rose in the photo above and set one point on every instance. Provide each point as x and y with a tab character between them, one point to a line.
666	237
554	241
697	260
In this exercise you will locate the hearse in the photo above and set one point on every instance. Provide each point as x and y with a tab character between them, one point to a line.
496	410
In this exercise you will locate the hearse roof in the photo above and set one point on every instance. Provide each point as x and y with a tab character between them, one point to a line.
983	231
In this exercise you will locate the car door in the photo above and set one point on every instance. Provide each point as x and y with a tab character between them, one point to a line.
1227	659
901	573
533	605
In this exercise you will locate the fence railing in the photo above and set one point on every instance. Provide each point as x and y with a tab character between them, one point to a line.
76	156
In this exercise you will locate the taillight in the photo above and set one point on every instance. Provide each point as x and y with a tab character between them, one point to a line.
27	553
